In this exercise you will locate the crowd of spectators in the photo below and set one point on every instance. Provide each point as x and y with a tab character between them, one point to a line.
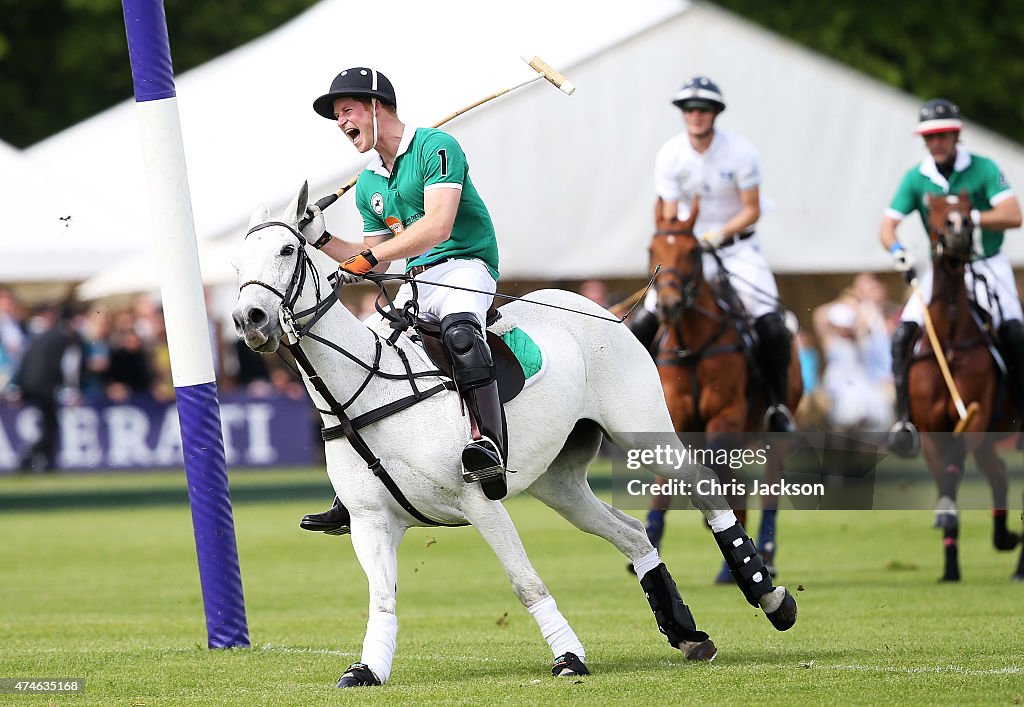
120	353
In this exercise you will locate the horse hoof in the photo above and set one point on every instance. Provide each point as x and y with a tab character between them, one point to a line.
569	665
949	578
1006	541
1019	577
702	650
784	617
358	675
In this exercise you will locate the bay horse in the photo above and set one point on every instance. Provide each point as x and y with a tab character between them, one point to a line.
705	363
962	332
393	449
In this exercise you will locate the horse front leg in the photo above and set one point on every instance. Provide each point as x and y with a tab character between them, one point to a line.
493	523
376	545
946	463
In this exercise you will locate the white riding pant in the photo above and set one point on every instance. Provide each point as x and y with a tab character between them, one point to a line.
442	301
995	289
748	273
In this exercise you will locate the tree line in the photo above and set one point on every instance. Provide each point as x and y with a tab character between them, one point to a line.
62	61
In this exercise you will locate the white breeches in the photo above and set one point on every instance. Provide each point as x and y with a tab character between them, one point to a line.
995	289
443	301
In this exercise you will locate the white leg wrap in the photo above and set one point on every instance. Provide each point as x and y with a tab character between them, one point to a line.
556	629
772	600
379	643
647	563
722	521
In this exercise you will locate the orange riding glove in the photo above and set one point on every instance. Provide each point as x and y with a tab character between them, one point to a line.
353	269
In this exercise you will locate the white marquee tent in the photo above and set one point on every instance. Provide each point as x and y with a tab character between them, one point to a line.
51	231
567	179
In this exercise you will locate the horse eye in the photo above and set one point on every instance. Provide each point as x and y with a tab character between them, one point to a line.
288	249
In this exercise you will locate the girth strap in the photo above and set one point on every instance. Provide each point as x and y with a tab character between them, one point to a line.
349	431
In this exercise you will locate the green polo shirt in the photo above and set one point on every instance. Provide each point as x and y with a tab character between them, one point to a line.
980	176
391	202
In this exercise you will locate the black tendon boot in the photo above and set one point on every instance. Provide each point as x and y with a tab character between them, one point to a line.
775	346
904	439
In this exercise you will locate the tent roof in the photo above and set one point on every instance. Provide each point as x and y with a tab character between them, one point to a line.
50	230
568	180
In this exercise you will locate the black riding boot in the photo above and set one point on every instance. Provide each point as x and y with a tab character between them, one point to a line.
336	521
775	345
645	327
1011	336
483	459
904	439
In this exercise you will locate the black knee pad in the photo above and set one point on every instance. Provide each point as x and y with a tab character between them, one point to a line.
472	365
746	565
673	616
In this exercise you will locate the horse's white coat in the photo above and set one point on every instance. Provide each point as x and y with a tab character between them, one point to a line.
597	371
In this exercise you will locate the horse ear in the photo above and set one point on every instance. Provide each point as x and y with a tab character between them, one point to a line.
297	209
260	215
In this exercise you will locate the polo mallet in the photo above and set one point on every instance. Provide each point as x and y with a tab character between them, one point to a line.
544	71
966	414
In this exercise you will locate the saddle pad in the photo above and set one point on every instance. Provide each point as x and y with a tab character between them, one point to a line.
526	352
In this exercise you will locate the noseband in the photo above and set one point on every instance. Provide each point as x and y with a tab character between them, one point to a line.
688	286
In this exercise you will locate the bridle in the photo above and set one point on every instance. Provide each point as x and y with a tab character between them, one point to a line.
687	285
347	427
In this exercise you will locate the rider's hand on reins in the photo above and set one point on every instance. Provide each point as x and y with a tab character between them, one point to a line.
711	239
314	232
900	258
353	269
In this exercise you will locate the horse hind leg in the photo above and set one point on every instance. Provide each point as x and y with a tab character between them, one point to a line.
993	468
564	488
493	523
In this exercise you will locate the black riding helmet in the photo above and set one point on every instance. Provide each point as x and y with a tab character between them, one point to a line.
699	90
360	82
938	116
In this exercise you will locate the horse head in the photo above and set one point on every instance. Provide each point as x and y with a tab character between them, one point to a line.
271	267
950	226
675	250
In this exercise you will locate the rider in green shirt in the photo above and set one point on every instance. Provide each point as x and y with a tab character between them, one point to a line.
950	169
419	204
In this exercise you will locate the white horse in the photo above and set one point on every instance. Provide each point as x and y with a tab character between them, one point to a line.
598	378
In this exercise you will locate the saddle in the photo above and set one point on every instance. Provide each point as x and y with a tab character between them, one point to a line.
508	370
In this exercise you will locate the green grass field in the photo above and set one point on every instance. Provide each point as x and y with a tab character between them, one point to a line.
99	581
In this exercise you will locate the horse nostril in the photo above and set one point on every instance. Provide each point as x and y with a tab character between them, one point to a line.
257	317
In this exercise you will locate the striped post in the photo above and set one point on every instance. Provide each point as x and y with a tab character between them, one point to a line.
188	330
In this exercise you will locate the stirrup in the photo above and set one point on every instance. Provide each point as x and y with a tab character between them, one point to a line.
778	418
481	461
904	439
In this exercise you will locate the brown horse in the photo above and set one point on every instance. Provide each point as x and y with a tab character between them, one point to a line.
703	361
965	345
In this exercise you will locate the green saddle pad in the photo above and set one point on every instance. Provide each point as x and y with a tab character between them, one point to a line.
526	351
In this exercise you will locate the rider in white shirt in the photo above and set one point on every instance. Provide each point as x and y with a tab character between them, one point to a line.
719	171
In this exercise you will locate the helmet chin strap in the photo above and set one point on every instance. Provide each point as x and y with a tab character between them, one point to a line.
373	101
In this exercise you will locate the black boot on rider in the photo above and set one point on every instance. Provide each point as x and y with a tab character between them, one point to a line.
904	439
645	327
775	346
335	521
483	459
1011	338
